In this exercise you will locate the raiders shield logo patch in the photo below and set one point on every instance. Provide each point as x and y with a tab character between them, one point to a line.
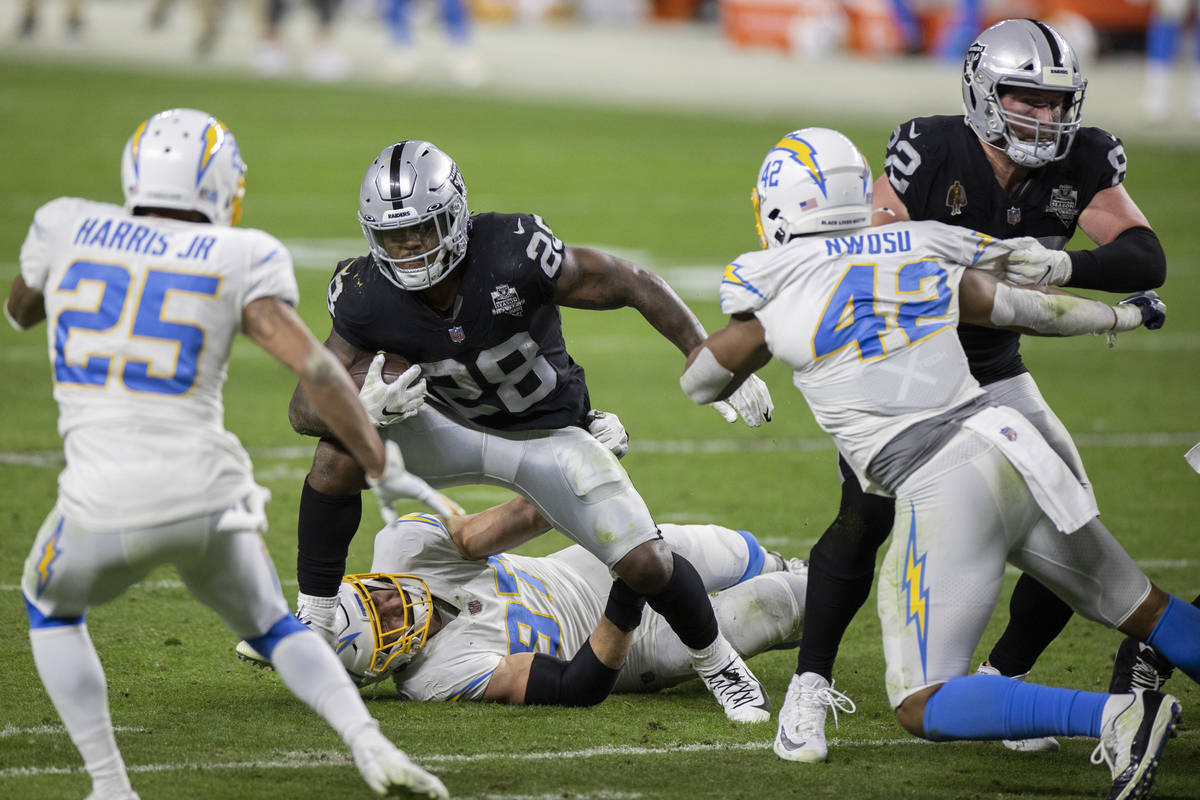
505	300
956	198
1064	201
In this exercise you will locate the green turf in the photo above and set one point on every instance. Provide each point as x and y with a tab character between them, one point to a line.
673	188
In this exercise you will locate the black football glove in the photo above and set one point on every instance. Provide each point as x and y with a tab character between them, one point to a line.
1154	310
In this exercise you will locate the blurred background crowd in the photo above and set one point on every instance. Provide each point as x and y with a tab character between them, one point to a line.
410	40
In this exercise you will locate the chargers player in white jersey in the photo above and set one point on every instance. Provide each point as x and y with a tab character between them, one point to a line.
141	305
865	318
450	625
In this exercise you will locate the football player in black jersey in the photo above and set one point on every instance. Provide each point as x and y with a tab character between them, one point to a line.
1018	164
473	302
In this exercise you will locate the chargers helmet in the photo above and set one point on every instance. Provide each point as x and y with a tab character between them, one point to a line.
413	184
1022	53
373	645
188	160
813	180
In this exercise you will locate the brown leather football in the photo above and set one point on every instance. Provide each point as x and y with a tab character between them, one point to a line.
393	367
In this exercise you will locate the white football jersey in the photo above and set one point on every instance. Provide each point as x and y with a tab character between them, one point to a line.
867	323
141	314
505	604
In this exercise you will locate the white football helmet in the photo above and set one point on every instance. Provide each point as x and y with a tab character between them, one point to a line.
814	180
413	184
374	639
1022	53
188	160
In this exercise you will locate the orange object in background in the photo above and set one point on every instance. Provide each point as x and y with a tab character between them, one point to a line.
675	9
761	23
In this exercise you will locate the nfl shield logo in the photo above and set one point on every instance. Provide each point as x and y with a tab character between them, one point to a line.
1008	433
474	606
1014	216
456	334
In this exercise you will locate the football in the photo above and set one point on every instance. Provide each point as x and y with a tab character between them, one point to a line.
393	367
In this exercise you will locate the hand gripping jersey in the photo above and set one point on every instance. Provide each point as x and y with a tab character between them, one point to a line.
866	322
498	357
491	608
141	313
938	168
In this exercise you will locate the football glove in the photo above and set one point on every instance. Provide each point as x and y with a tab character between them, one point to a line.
751	402
1154	310
1031	264
606	428
397	483
387	403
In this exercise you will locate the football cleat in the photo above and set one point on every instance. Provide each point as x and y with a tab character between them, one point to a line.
389	772
1138	666
1132	737
248	654
1038	744
739	692
801	732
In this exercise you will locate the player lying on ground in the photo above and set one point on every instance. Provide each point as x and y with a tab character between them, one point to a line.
447	624
865	318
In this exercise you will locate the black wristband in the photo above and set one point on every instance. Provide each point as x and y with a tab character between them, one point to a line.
624	607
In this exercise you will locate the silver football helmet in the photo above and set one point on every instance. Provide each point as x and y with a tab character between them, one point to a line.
381	622
413	198
1022	53
188	160
814	180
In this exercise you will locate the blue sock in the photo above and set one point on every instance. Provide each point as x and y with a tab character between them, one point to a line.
995	707
1177	636
756	556
1161	40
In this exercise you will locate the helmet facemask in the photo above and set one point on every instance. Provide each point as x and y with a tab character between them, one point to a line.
413	193
383	621
1032	142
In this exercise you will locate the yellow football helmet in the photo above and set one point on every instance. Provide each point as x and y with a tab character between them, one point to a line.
382	621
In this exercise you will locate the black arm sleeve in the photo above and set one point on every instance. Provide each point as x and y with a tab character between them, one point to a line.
1132	262
582	681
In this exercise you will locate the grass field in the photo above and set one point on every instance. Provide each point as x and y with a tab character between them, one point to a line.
673	191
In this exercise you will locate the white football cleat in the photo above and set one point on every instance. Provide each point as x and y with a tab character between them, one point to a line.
1038	744
389	772
739	692
247	653
1133	733
801	733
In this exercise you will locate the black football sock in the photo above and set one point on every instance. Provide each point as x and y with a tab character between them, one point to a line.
1036	616
841	569
326	526
685	606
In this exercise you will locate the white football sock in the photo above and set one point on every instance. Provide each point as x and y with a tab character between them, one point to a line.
721	555
315	675
713	658
71	672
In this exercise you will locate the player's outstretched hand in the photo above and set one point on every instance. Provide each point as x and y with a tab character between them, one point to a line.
606	428
1031	264
751	402
386	403
397	483
1154	310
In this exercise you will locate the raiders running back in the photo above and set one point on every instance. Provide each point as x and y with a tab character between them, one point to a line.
932	160
498	356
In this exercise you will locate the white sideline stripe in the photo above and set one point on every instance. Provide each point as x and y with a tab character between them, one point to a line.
54	458
42	730
310	758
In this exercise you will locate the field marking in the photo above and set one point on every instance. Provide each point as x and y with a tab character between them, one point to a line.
42	730
54	458
320	758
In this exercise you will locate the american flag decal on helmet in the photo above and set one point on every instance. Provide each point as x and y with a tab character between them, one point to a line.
1008	433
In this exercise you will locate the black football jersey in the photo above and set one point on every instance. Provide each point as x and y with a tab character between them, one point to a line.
938	168
497	357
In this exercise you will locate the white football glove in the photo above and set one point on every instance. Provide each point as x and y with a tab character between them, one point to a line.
391	402
397	483
751	401
606	428
1032	264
